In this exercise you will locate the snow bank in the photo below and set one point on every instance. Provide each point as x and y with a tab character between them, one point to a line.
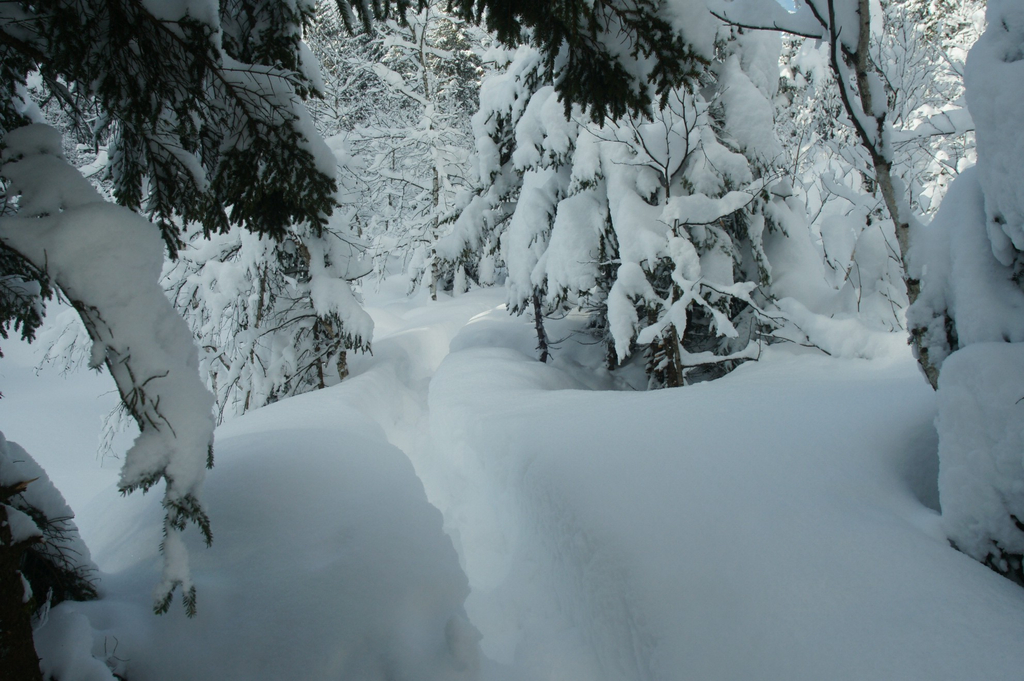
329	562
65	645
778	523
981	440
970	315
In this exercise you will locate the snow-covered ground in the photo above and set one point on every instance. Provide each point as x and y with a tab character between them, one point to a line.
780	523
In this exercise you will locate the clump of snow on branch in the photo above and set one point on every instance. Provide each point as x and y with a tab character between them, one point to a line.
995	88
106	260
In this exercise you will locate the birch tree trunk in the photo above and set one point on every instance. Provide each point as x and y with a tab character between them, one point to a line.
874	142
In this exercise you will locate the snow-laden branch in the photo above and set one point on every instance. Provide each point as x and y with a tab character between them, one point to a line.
946	123
700	209
106	260
759	15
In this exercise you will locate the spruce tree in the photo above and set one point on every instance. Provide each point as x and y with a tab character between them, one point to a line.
652	222
203	110
601	55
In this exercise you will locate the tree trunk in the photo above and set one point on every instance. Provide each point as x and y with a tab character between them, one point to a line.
542	336
665	367
879	158
342	364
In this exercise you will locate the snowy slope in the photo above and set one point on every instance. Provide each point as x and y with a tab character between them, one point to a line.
779	524
700	535
328	562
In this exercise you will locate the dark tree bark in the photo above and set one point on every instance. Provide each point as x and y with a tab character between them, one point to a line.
542	336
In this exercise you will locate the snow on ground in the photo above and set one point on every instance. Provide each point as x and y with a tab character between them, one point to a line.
779	523
327	563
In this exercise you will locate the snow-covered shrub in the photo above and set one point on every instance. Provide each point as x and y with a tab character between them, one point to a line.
272	319
43	560
970	315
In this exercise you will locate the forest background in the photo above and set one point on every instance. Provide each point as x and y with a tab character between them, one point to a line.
676	187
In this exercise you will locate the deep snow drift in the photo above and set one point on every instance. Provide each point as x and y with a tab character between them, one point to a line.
779	523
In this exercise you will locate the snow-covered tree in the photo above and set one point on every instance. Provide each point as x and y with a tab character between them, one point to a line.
931	142
696	178
207	126
43	560
969	317
687	209
600	54
272	319
353	94
276	317
874	58
653	222
483	214
207	122
831	177
416	148
920	54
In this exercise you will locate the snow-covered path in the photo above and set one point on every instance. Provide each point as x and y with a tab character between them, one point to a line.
776	524
779	523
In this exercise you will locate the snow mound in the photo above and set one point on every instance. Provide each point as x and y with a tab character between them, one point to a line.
329	562
779	523
981	440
